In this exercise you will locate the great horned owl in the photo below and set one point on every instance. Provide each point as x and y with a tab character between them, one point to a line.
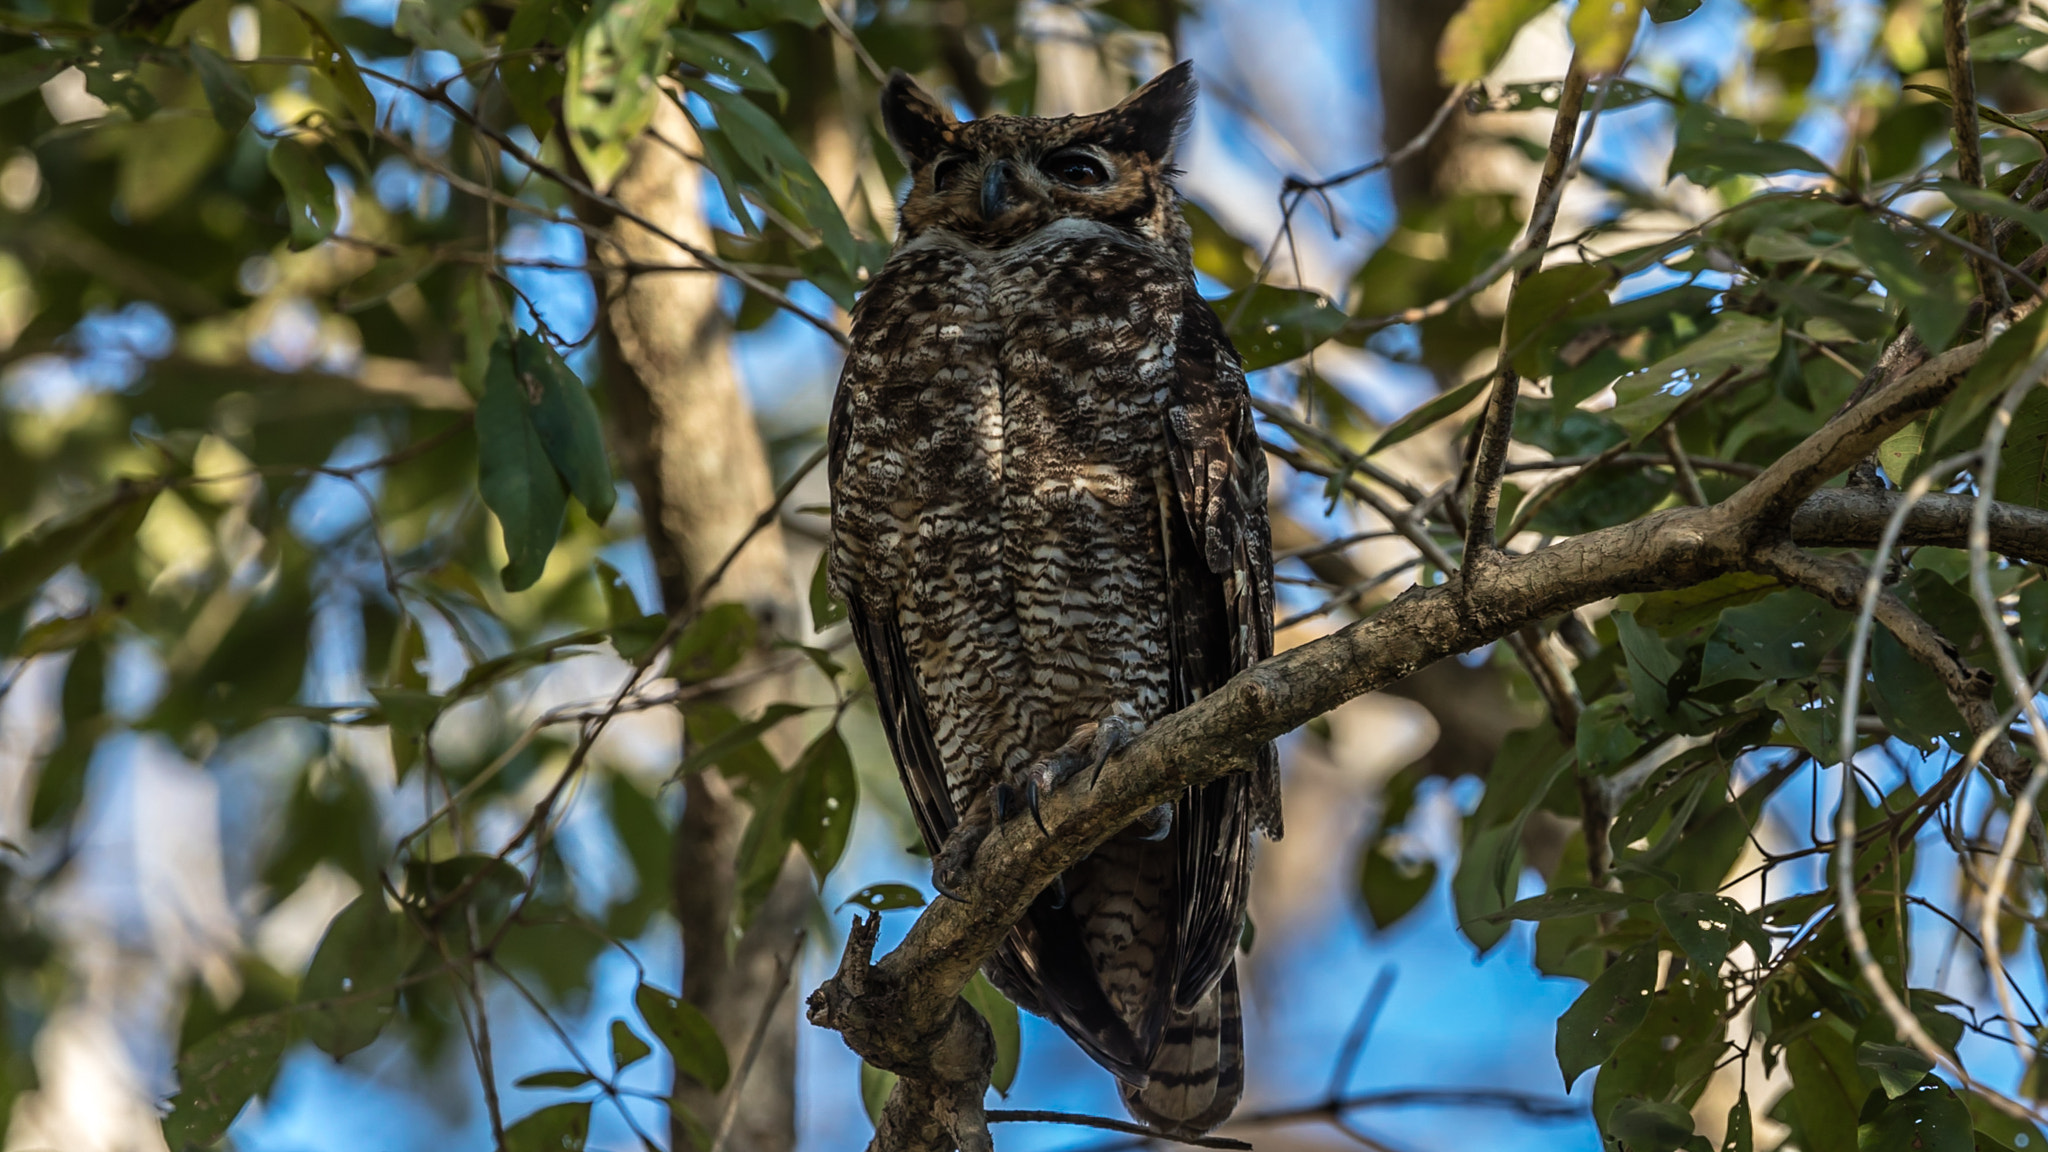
1049	526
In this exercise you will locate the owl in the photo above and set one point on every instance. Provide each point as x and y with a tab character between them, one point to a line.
1049	526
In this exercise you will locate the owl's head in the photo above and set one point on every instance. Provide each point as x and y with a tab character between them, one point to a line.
994	180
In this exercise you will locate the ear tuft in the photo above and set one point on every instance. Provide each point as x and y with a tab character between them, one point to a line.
917	123
1151	119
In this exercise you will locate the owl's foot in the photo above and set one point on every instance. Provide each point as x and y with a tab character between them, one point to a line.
956	856
1088	749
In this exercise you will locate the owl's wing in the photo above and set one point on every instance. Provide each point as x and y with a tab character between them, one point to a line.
1220	578
880	641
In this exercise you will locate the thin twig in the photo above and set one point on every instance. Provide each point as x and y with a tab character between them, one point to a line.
753	1053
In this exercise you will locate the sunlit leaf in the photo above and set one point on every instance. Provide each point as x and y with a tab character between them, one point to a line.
1603	31
1644	400
1430	413
1393	888
1479	35
45	549
333	62
875	1086
615	58
1925	1118
1711	147
1707	926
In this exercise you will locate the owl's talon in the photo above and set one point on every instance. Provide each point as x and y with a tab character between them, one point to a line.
956	855
1058	888
1158	823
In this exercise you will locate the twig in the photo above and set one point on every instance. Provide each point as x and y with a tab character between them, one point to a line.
753	1053
1962	83
1498	423
1079	1120
1688	480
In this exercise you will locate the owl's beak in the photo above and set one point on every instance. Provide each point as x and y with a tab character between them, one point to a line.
995	189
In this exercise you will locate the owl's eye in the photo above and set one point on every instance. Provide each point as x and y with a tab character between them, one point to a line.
1076	168
944	171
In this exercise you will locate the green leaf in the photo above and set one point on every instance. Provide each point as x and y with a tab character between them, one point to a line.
783	169
749	15
351	988
1970	198
1710	147
822	800
565	1078
2009	355
1651	666
627	1048
633	632
1477	891
1683	609
1899	1068
1665	11
717	640
1549	298
387	275
73	536
1478	36
1740	1135
1812	713
615	59
875	1086
1427	415
1927	1118
1002	1021
691	1041
218	1075
1393	888
1270	325
826	607
2008	43
518	482
1900	453
734	736
1568	901
1603	31
227	93
1932	302
556	1128
1650	1125
1825	1089
1784	636
567	422
486	673
2023	466
333	62
308	193
1604	1015
1739	342
884	897
1907	694
23	71
1707	927
727	57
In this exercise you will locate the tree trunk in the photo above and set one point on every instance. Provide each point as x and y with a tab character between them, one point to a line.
686	435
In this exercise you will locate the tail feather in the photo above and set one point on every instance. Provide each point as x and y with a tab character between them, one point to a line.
1197	1074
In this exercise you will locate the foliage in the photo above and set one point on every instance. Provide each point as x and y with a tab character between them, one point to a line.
280	373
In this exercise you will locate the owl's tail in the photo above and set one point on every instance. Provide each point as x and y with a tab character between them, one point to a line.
1198	1073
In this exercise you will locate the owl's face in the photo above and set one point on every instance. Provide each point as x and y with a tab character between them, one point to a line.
996	180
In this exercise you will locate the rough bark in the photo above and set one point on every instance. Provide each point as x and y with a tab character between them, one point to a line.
686	435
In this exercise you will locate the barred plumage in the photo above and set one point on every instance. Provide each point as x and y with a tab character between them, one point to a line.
1049	527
